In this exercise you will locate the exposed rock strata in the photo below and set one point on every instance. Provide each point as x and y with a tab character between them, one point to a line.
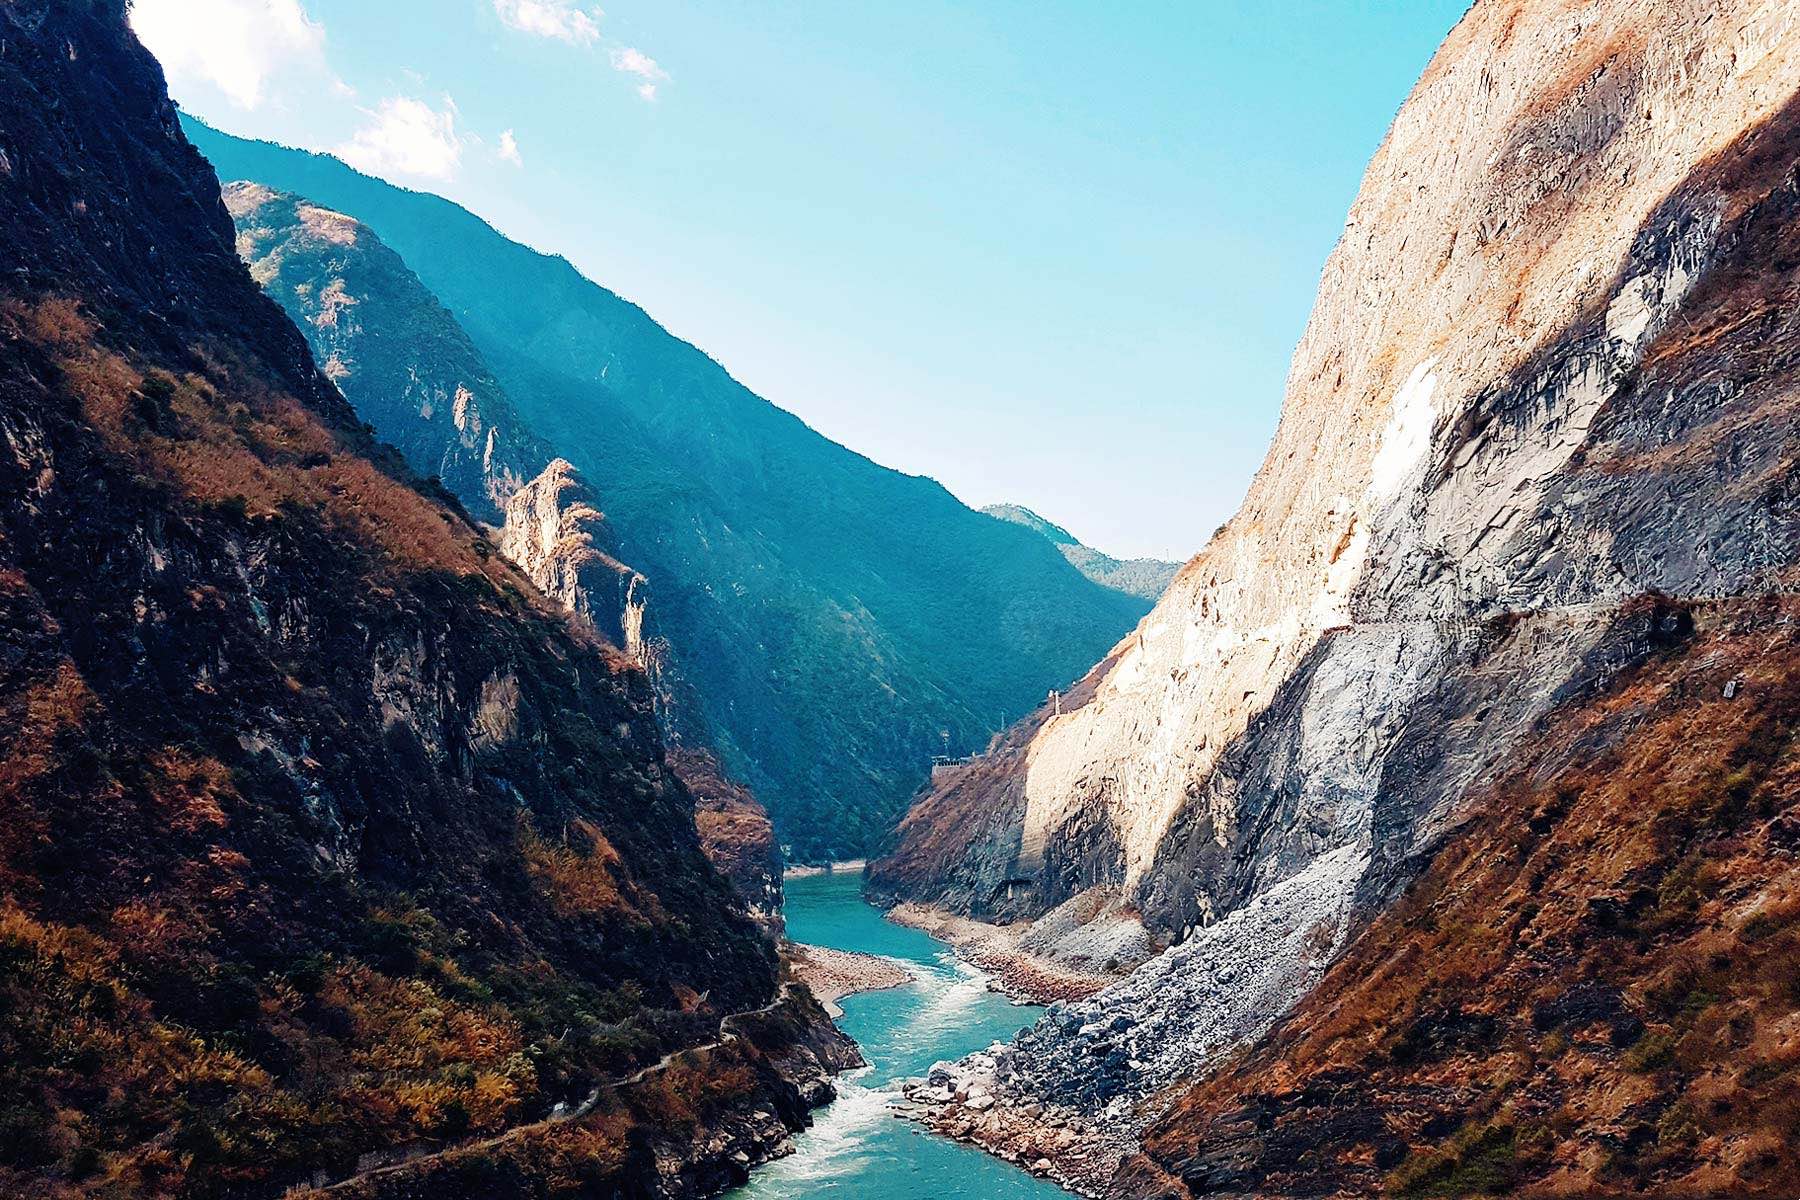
554	530
1593	989
1549	372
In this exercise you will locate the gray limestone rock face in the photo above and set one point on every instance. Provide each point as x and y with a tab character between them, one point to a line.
1517	423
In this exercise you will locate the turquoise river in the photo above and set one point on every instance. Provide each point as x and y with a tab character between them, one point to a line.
857	1147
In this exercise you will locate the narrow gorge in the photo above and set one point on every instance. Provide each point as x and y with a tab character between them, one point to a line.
331	844
457	740
839	623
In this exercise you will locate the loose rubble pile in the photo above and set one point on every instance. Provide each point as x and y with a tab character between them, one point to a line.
1074	1090
967	1100
833	974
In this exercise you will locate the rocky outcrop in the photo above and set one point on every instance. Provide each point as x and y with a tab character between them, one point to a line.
840	623
1548	375
396	353
1145	578
735	833
959	846
408	368
658	1136
1591	989
555	532
325	839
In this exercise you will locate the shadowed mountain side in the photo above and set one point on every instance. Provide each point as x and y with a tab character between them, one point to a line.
324	837
841	622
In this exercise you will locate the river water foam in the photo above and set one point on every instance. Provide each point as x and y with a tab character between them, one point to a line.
857	1147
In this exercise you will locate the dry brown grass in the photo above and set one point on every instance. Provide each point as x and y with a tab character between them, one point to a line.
405	1025
691	1088
581	874
226	437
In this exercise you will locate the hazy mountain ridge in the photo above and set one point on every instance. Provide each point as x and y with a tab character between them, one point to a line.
325	835
1500	636
839	622
1146	578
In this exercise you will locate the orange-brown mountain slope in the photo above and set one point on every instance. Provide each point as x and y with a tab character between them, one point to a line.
324	839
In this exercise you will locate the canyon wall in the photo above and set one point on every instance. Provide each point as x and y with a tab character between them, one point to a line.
1541	422
412	373
327	842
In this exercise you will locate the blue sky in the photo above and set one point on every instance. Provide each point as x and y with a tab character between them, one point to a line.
1049	252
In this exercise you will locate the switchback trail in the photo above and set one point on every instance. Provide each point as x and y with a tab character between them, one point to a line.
728	1035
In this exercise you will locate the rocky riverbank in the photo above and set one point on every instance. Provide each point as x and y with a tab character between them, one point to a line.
971	1101
1070	1097
833	974
842	866
1002	952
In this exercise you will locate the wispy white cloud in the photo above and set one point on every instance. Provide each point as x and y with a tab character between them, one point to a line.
509	149
405	136
633	61
568	21
560	19
237	47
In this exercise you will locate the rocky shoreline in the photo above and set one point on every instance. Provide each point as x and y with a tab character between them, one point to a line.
842	866
975	1101
1013	971
1069	1098
970	1101
833	974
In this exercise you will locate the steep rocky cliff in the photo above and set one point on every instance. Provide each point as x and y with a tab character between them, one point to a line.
1145	578
1594	988
326	841
840	623
556	533
408	368
735	832
398	355
411	372
1542	424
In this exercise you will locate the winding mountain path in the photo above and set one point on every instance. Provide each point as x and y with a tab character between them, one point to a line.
728	1035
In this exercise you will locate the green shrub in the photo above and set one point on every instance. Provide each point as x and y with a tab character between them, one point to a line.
1656	1050
1479	1160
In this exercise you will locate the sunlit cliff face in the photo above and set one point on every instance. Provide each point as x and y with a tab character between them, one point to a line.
1513	256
